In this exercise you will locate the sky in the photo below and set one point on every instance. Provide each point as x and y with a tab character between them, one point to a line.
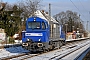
79	6
57	6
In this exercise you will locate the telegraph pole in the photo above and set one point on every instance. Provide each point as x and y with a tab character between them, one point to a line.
50	10
79	22
51	25
89	19
87	25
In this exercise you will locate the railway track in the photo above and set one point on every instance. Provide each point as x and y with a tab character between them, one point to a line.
20	56
63	52
87	57
57	54
69	51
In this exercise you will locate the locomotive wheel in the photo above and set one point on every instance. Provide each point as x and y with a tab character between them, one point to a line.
53	47
47	49
44	50
60	44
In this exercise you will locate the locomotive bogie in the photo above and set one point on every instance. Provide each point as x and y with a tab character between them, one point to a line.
36	46
43	46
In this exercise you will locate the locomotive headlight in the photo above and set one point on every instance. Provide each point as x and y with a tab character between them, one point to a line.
39	39
34	19
28	39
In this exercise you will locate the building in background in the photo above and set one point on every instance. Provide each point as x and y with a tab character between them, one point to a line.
2	35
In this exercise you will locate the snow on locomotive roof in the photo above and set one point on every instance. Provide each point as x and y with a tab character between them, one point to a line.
39	14
45	16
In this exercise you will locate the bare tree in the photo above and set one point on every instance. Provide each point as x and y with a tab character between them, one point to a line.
8	7
60	17
71	19
29	7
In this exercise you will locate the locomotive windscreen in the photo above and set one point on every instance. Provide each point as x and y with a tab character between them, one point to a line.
37	25
34	25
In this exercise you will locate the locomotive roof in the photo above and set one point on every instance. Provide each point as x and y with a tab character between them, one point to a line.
35	18
45	16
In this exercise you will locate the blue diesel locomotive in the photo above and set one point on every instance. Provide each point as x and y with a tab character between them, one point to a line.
41	35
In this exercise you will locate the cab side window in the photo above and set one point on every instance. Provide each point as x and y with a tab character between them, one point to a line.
43	26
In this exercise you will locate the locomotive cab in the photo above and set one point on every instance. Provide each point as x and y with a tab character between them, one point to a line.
36	34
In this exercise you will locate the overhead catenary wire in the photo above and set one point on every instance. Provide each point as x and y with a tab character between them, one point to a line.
81	13
82	5
78	9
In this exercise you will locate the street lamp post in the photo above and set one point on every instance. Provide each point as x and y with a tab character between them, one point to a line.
73	27
77	29
80	30
77	32
22	23
66	28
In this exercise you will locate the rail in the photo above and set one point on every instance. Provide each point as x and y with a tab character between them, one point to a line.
83	54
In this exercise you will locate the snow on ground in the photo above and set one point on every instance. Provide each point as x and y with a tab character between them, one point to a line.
11	51
63	51
5	52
